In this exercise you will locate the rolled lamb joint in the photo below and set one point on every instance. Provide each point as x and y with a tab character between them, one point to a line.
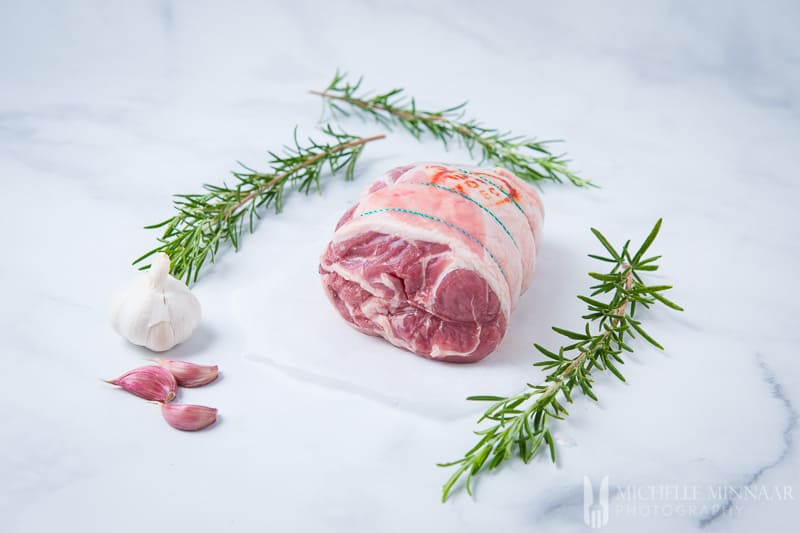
434	257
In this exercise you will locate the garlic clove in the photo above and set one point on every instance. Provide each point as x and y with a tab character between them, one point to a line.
157	311
189	374
161	337
188	417
149	382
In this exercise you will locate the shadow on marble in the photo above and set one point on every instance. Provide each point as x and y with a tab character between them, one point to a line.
197	345
307	341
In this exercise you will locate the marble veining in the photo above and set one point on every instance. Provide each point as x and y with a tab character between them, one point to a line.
678	109
791	417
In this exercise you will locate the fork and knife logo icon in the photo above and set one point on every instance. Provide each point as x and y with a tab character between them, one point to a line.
595	511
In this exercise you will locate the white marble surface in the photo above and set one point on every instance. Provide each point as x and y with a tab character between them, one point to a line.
685	110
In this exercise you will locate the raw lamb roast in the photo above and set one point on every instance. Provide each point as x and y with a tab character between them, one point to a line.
434	257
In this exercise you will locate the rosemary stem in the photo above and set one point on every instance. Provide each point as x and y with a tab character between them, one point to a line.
372	105
618	313
527	157
255	193
406	115
204	221
521	422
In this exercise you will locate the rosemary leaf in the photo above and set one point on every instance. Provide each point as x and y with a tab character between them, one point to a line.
520	423
204	222
528	158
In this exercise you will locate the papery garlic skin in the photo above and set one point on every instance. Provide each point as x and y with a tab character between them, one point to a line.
188	417
189	374
157	311
149	382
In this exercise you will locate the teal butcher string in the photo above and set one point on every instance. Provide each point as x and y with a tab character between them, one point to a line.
442	221
466	197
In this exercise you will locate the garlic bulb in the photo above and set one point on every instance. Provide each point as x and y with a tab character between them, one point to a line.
157	310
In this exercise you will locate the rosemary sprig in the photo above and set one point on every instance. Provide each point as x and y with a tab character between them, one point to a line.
206	220
520	423
526	157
